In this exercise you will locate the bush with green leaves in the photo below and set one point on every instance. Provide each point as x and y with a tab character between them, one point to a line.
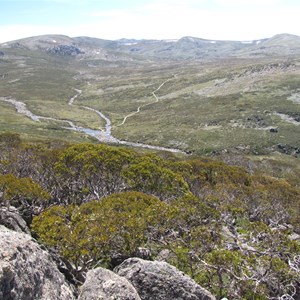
21	192
150	175
93	232
88	171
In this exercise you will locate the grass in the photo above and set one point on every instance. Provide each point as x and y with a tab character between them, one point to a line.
45	83
35	131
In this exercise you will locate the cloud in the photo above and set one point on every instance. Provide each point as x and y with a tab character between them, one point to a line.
159	19
14	32
171	20
256	3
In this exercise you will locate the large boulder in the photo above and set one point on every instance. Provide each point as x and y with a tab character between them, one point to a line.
102	284
160	281
27	271
10	218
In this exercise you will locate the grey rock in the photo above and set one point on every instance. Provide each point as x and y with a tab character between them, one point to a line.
10	218
165	255
287	149
27	272
102	284
65	50
160	281
143	253
294	236
116	259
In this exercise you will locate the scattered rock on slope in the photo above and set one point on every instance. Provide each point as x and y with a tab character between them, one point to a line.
27	271
65	50
160	281
10	218
102	284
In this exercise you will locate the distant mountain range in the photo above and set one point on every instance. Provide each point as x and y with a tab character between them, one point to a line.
184	48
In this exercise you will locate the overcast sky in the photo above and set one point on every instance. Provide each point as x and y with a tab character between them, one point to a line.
149	19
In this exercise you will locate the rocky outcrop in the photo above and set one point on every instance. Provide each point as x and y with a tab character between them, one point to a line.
27	271
160	281
287	149
117	258
65	50
102	284
10	218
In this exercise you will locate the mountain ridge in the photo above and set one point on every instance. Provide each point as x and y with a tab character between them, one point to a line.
187	47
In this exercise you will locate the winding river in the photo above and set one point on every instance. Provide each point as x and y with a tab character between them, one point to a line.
101	135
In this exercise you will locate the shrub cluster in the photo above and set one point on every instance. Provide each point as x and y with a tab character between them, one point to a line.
231	231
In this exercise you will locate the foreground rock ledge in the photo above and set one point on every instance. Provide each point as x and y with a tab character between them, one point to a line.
27	272
102	284
160	281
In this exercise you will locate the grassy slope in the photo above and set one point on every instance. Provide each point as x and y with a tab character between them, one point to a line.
202	107
45	83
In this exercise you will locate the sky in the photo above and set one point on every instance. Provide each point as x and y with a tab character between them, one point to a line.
150	19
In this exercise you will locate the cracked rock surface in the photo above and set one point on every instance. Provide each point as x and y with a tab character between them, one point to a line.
27	271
